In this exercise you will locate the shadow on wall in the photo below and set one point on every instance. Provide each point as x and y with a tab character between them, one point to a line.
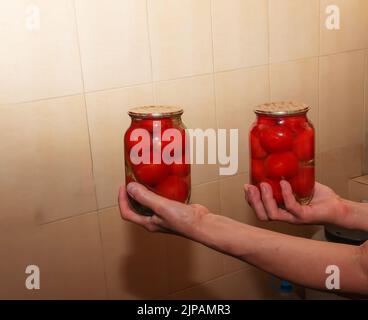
145	269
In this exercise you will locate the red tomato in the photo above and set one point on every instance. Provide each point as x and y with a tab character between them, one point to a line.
258	171
278	138
303	183
179	169
173	188
129	144
178	144
281	165
268	121
150	174
296	124
159	144
257	152
303	145
276	190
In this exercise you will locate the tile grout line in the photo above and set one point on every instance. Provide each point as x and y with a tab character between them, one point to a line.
365	102
150	51
90	148
319	28
318	146
246	266
214	83
85	101
66	219
179	78
269	47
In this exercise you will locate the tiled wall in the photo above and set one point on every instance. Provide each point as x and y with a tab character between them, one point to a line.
66	86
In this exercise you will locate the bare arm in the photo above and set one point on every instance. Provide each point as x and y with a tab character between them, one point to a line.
299	260
302	261
356	217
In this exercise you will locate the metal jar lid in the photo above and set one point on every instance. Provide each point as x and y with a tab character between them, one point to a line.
282	108
155	112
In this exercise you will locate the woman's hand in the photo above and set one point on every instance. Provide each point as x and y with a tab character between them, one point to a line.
170	216
325	208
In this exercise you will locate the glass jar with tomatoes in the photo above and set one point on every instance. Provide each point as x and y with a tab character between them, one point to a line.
156	151
282	148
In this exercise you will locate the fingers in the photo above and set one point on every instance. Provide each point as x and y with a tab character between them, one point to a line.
126	212
158	204
254	199
150	223
290	202
269	201
265	206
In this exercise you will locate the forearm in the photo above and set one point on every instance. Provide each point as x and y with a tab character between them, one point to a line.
299	260
355	216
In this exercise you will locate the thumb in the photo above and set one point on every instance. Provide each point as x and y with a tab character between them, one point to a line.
148	198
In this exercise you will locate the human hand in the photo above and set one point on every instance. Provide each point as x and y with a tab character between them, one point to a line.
326	206
170	216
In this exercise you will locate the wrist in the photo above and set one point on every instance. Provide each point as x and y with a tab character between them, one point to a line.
222	234
339	216
203	230
351	214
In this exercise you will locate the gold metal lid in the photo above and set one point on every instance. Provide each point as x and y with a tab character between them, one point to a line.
282	108
155	112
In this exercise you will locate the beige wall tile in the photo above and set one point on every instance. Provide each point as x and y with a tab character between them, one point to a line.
135	260
38	60
196	96
298	81
233	203
341	100
318	168
108	121
294	29
69	256
114	43
352	34
207	194
365	155
191	263
358	189
237	93
232	264
203	173
234	206
339	165
45	165
246	284
181	42
240	33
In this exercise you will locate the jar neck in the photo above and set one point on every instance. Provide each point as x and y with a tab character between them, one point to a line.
137	119
299	116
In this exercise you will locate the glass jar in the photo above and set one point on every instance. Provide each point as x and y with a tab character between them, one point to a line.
156	151
282	148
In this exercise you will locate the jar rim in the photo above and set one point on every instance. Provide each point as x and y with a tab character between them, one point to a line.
155	111
282	108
